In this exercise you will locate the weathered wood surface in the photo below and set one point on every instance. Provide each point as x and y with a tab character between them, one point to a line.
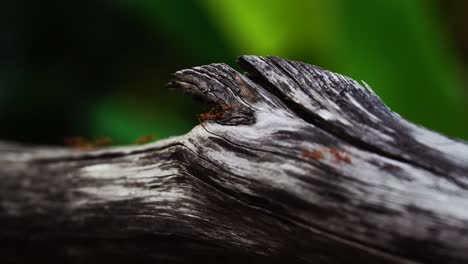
297	163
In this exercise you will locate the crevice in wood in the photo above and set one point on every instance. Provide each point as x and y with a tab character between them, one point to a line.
328	127
239	185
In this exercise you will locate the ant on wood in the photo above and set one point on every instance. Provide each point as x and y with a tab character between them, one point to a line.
144	139
318	155
81	143
84	144
340	157
216	113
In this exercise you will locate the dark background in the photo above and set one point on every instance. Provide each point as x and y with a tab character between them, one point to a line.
98	68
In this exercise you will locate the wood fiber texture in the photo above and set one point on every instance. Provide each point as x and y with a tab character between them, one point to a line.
294	163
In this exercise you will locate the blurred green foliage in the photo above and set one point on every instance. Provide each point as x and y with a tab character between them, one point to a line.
401	48
397	46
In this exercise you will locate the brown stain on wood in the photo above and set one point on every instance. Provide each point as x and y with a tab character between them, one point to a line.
245	90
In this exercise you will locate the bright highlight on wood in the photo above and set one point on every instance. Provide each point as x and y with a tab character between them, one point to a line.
294	162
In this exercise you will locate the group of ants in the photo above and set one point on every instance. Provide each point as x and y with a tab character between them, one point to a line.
84	144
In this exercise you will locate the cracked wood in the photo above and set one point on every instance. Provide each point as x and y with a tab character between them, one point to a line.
294	162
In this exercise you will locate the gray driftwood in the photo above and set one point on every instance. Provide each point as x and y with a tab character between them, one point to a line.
294	163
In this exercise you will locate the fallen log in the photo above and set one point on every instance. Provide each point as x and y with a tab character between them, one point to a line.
294	162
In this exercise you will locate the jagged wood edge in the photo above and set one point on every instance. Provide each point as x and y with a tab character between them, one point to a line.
241	186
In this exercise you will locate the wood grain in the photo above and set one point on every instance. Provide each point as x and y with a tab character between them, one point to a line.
294	163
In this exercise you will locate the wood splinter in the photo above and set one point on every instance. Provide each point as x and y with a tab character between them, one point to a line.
238	190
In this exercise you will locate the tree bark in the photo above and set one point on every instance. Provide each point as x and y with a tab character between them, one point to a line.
293	163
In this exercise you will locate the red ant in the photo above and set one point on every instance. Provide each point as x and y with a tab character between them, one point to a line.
81	143
144	139
339	157
318	154
216	115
